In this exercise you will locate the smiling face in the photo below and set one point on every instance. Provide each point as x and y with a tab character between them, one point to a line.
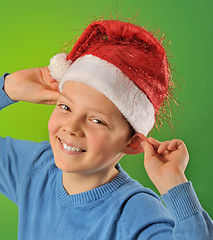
87	120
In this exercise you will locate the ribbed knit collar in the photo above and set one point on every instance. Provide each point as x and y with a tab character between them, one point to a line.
91	195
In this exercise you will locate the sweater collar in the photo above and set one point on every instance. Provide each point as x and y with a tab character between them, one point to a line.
91	195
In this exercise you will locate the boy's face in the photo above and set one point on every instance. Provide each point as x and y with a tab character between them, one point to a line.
86	119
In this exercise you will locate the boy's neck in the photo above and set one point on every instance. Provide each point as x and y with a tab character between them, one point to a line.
75	183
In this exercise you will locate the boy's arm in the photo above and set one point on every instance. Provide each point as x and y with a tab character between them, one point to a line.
191	220
165	163
145	217
11	152
16	155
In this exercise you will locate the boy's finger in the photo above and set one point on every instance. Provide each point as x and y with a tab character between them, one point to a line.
163	146
51	97
151	161
55	85
148	149
155	143
172	145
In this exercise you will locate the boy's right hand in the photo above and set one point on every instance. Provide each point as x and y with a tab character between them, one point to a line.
165	162
33	85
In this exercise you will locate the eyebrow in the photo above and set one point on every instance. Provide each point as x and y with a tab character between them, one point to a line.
92	109
64	95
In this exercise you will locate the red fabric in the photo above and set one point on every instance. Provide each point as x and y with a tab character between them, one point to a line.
134	50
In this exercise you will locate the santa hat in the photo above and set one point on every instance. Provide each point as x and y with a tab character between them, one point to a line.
123	61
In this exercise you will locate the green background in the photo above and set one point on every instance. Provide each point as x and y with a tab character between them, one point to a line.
32	32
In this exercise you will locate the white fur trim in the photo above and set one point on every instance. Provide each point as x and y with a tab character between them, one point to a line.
59	65
114	84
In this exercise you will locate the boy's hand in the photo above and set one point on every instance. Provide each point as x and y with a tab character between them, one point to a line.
165	162
32	85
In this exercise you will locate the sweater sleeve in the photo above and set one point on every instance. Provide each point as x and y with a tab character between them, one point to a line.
191	220
15	156
145	217
4	99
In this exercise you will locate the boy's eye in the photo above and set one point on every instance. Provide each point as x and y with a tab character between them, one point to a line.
98	121
64	107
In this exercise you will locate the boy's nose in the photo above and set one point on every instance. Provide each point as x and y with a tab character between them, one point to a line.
73	128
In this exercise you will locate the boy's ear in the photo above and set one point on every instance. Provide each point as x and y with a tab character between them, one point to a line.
134	146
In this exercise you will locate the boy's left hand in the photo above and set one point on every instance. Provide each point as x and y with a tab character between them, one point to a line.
165	162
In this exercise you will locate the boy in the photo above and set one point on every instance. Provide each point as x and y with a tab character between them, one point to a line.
111	87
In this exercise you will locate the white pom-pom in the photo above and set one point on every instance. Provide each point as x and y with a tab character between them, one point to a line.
59	65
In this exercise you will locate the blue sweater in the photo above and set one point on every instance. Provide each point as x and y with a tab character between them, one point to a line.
121	209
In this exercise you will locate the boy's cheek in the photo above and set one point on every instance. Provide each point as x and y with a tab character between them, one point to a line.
52	124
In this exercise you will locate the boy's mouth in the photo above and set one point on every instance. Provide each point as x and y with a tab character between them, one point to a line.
71	148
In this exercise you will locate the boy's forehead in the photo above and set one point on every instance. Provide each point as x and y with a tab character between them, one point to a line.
74	91
82	93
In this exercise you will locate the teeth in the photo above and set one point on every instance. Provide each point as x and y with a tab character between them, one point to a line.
72	149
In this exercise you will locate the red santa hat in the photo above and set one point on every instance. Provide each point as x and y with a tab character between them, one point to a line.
123	61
